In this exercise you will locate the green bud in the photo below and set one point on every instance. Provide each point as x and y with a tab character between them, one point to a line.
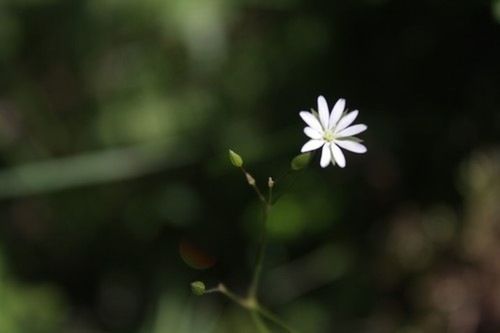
299	162
198	288
235	159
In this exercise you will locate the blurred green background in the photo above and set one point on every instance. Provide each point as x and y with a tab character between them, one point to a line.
116	192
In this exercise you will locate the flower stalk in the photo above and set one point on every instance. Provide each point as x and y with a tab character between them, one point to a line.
254	285
328	131
256	310
251	181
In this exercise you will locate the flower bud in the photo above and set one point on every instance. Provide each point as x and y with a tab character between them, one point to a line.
198	288
270	182
250	179
299	162
235	159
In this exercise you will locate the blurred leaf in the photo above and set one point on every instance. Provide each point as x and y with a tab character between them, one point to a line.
90	168
29	308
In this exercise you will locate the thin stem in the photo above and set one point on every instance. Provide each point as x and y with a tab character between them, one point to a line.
259	323
275	319
212	291
270	185
255	309
232	296
247	303
251	181
250	302
259	193
254	285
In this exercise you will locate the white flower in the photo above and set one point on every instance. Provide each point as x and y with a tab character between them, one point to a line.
330	131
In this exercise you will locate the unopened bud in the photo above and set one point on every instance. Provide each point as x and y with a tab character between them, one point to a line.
198	288
299	162
235	159
250	179
270	182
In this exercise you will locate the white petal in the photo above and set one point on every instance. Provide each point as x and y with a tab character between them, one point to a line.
353	130
324	113
338	155
311	120
312	145
336	112
346	120
312	133
352	146
326	156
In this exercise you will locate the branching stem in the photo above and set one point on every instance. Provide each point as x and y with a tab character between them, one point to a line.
250	302
256	310
254	285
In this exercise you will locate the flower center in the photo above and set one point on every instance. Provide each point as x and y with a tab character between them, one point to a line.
328	136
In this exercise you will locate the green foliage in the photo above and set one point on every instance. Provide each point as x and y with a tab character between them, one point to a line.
112	117
29	308
495	5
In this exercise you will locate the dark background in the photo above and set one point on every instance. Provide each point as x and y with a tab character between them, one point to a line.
116	191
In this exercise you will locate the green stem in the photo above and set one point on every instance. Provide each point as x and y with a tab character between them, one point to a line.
270	186
259	323
251	181
232	296
256	310
246	303
274	318
254	285
251	303
259	193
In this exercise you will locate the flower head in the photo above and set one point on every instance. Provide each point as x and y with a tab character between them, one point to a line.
331	131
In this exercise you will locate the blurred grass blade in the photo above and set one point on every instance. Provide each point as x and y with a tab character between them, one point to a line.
90	168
